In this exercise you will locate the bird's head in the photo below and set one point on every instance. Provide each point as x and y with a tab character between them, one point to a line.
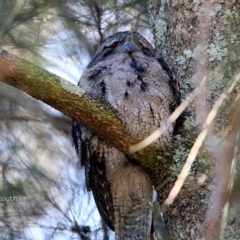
122	43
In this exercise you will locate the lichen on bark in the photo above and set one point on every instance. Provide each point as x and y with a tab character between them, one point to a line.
202	40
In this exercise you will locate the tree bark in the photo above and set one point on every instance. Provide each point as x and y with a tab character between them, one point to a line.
200	39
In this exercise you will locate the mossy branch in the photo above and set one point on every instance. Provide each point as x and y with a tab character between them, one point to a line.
73	102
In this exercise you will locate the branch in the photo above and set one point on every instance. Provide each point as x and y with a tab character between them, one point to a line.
73	102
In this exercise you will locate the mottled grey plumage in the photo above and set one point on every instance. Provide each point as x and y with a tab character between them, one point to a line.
126	75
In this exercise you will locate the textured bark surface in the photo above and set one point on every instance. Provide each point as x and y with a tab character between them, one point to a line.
198	38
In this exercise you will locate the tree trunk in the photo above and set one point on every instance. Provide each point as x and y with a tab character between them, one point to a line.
201	39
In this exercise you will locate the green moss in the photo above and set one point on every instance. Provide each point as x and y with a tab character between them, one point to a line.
197	2
216	52
69	87
161	29
217	82
181	60
190	122
217	7
188	53
204	160
180	155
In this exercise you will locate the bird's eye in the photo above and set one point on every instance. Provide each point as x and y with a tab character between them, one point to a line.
143	46
146	48
109	48
112	44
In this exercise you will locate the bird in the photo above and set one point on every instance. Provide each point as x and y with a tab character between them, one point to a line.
126	75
